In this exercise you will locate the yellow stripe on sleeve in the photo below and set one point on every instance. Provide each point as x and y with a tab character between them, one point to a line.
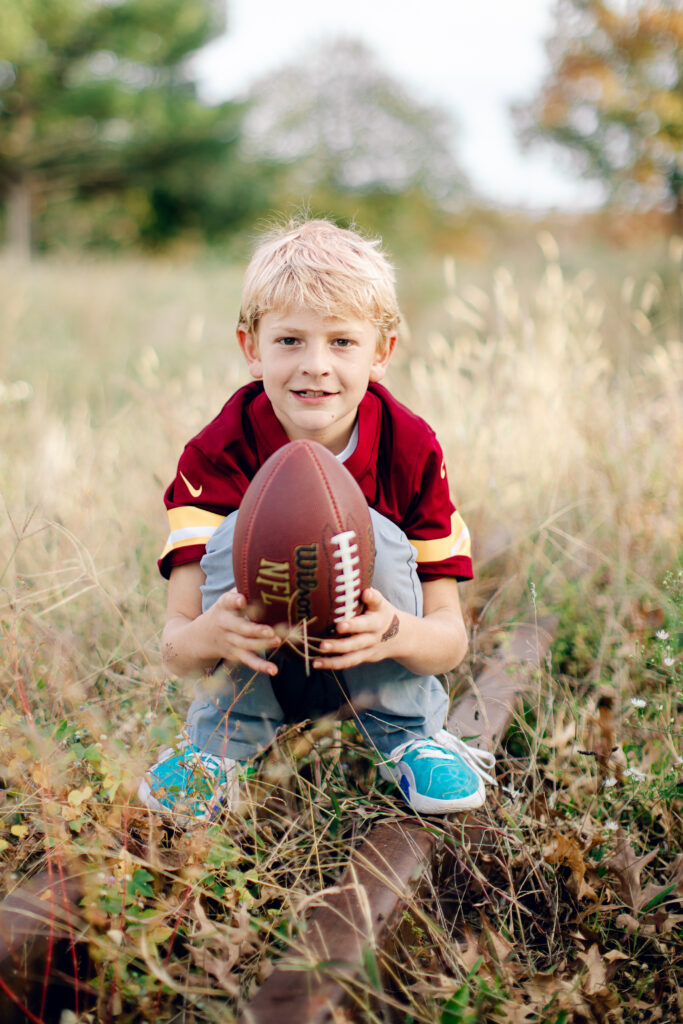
439	548
188	516
190	525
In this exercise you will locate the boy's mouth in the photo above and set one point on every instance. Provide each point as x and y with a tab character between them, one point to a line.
313	393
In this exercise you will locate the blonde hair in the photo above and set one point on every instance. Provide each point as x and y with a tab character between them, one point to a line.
316	264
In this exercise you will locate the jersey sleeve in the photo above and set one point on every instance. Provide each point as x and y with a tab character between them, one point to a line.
434	526
197	502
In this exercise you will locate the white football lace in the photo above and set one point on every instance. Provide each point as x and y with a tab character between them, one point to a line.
481	762
347	575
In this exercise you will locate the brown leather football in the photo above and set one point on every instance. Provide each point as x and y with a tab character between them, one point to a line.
303	547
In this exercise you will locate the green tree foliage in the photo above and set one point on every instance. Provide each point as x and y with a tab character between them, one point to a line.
346	126
101	132
614	96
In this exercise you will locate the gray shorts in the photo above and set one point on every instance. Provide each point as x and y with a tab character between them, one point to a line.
238	713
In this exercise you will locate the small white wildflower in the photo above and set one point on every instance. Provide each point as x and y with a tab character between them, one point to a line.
634	774
611	826
608	783
638	702
668	661
662	634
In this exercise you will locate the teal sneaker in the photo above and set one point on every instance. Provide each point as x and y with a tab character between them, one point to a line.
189	782
439	774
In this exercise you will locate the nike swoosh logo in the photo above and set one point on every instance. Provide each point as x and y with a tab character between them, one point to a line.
194	491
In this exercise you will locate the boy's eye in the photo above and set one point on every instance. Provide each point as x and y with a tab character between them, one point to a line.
288	341
343	342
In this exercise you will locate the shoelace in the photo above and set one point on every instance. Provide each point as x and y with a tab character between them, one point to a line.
480	761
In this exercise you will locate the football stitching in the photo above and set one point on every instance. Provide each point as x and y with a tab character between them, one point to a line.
347	571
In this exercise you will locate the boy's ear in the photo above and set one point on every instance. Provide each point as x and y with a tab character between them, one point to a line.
249	345
382	357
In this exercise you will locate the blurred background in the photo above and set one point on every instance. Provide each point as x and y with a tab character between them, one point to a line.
172	126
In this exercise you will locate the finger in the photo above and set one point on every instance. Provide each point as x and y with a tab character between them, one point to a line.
239	643
371	622
269	668
357	642
245	627
375	603
232	600
344	661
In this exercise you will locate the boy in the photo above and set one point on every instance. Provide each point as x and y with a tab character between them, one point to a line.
317	327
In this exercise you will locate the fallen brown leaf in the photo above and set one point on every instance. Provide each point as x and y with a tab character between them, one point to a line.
565	850
218	966
216	948
595	977
627	867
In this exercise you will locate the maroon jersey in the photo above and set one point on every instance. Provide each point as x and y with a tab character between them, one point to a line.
397	462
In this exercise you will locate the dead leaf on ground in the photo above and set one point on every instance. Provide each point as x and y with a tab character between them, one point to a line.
469	948
627	867
604	1002
595	977
216	948
566	851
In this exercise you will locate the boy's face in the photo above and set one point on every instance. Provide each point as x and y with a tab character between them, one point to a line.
315	370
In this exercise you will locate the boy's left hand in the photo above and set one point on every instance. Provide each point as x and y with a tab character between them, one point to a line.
372	636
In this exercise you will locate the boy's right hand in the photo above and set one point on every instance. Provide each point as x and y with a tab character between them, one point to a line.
237	637
196	641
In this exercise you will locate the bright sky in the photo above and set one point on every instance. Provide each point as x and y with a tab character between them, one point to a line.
474	57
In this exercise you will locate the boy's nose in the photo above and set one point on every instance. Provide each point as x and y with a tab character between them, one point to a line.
316	360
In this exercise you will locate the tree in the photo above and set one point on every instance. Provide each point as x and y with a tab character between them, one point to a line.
95	97
614	96
345	125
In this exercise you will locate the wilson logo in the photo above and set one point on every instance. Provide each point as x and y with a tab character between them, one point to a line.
306	578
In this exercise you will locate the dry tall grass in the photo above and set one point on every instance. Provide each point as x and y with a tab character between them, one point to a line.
561	418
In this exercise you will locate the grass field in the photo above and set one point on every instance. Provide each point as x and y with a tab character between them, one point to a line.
555	389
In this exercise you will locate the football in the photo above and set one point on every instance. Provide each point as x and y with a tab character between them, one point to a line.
303	549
